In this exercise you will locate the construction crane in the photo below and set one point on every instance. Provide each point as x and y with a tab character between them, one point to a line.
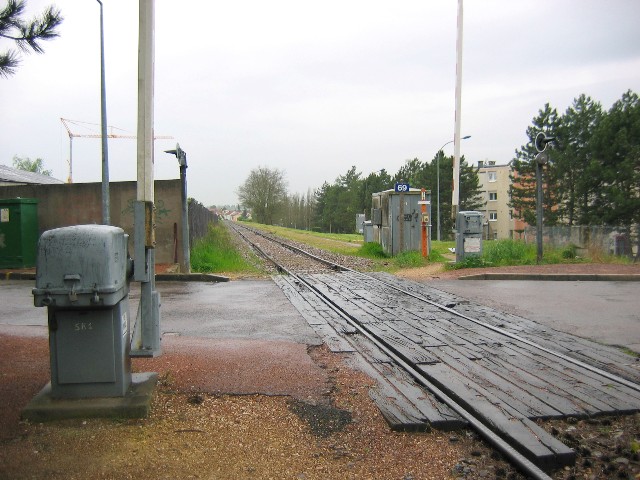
66	122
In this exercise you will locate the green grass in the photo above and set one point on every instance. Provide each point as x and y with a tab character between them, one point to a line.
371	250
410	259
496	253
216	253
501	253
343	243
508	252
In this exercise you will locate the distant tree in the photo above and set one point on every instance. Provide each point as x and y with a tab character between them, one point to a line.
523	181
337	204
410	172
264	192
26	34
28	165
616	143
574	160
470	192
374	182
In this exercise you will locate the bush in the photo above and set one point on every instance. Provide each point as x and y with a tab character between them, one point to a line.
570	251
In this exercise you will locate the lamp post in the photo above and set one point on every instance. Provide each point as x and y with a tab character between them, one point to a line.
103	122
438	179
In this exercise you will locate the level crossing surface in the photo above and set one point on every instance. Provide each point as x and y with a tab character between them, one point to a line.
506	369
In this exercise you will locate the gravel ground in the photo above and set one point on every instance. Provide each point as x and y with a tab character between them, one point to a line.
300	263
331	430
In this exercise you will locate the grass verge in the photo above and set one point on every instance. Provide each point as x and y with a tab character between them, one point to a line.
343	243
217	253
501	253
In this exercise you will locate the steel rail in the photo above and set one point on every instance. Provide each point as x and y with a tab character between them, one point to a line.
332	265
501	331
513	336
516	458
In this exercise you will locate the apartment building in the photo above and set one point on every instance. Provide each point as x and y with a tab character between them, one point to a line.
494	184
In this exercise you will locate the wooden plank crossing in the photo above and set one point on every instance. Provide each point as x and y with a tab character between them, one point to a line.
403	403
507	382
601	356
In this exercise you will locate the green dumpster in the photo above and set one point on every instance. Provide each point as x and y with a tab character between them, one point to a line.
18	232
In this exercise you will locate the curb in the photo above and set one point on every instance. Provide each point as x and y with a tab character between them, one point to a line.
561	277
190	277
160	277
19	275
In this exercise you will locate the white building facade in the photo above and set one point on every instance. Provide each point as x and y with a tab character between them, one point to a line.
494	185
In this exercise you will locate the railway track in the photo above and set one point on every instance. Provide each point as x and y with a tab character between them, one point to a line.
494	373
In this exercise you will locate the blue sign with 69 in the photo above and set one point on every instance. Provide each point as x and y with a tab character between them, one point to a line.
402	187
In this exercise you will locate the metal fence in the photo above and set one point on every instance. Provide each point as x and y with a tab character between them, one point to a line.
199	219
608	240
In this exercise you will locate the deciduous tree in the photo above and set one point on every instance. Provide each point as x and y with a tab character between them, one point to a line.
28	165
264	192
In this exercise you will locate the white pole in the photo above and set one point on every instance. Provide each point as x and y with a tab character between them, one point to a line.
145	101
146	339
455	201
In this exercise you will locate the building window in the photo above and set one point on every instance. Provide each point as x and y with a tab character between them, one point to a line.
493	196
492	176
493	216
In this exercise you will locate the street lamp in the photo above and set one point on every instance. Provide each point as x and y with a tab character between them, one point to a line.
181	155
103	121
438	179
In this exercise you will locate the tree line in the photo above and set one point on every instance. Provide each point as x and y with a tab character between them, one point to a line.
593	173
333	206
592	177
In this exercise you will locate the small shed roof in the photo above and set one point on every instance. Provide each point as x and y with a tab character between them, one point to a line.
13	175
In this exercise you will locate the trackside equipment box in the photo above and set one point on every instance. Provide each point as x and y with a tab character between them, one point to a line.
82	277
468	235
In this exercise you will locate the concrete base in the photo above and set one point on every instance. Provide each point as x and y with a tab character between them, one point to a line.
135	404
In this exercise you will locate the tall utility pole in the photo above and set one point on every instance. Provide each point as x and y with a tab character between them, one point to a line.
106	217
146	341
455	200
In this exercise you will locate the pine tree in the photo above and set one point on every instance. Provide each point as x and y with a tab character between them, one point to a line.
523	179
25	34
616	145
577	183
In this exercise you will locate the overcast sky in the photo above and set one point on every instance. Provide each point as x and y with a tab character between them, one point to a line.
312	87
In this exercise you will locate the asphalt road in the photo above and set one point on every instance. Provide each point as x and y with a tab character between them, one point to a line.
251	309
607	312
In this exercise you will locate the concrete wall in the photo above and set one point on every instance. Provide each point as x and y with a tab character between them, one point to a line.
81	203
590	239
